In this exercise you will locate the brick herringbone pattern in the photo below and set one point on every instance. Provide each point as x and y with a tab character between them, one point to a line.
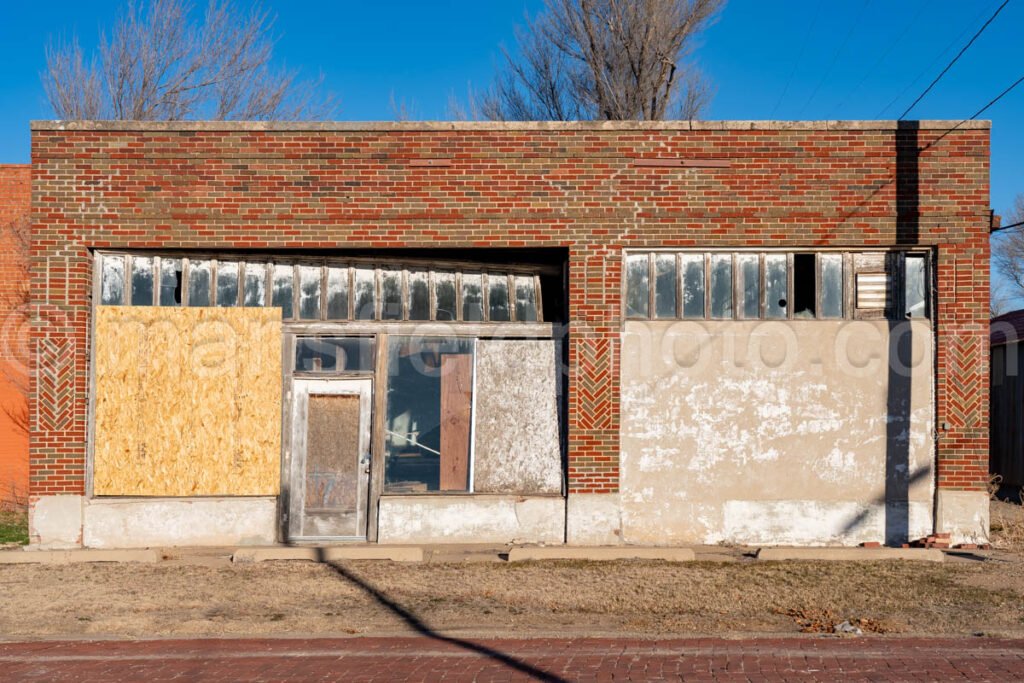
593	383
966	395
56	384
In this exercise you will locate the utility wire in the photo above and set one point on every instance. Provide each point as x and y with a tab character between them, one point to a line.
799	57
1005	227
958	56
976	114
835	57
935	60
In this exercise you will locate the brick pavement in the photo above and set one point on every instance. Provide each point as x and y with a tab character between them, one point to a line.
452	659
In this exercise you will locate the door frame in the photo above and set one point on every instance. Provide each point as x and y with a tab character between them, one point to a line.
302	387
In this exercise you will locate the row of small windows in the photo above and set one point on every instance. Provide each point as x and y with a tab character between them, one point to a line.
321	291
751	286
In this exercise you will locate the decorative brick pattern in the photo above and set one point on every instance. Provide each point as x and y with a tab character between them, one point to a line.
576	187
55	384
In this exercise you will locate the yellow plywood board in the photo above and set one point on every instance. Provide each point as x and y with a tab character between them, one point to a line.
188	401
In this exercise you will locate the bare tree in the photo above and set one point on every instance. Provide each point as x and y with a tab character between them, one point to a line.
1008	257
604	59
163	62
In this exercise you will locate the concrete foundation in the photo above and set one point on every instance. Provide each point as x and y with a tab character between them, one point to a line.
471	519
149	522
55	522
962	514
593	519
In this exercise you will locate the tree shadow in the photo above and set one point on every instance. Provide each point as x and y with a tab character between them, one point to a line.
421	627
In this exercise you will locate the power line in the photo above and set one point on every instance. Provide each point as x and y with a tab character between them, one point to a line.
976	114
958	56
1005	227
799	56
892	45
835	57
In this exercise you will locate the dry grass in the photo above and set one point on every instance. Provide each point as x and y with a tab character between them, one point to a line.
1007	525
644	598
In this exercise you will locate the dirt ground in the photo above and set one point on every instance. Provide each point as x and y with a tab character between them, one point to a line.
972	594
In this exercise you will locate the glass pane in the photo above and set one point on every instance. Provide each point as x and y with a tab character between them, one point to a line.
472	297
391	294
309	292
665	286
429	414
750	282
831	285
281	290
637	291
365	293
334	354
444	286
142	281
721	286
112	281
227	283
526	299
915	292
419	297
255	285
693	285
199	284
337	293
170	282
776	285
497	301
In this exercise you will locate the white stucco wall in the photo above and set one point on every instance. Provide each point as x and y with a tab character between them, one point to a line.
775	432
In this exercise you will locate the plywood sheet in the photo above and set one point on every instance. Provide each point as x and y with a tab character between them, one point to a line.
456	414
188	401
517	447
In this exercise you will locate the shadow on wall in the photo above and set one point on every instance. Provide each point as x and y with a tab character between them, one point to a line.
13	446
418	625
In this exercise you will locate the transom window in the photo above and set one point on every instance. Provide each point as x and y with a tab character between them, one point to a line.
321	289
775	285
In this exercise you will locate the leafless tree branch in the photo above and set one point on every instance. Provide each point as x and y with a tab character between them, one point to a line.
162	62
604	59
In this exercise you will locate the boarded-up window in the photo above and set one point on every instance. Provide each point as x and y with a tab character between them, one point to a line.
188	402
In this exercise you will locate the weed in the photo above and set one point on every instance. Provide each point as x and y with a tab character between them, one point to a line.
13	527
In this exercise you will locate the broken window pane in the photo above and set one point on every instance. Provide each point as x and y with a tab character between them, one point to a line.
429	414
419	296
334	354
337	293
142	281
309	293
199	284
444	286
804	287
750	284
915	291
365	294
170	282
497	299
526	299
391	294
776	285
255	293
472	297
665	286
831	285
227	283
112	281
721	286
693	285
637	286
281	290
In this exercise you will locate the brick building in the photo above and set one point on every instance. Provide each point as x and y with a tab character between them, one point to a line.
15	201
594	333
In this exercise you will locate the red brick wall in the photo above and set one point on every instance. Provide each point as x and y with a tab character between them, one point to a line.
15	202
336	186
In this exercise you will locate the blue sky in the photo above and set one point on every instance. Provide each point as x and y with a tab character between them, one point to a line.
850	59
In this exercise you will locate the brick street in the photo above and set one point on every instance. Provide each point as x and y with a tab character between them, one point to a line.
456	659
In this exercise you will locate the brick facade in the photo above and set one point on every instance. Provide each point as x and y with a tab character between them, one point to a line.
575	186
15	202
